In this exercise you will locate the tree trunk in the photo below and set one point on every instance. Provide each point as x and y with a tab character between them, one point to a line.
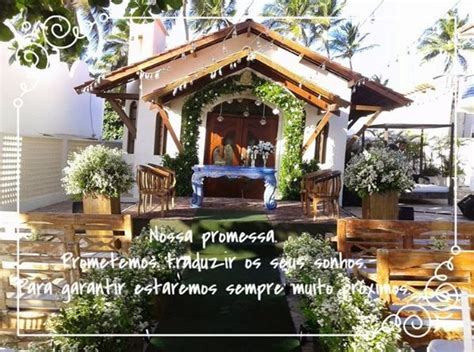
185	21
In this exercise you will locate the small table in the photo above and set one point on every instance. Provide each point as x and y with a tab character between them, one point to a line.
214	171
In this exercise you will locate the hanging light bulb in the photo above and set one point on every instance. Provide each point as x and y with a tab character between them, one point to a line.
263	120
220	118
246	111
275	111
229	101
258	102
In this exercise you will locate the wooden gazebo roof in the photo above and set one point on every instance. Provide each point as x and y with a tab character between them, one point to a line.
308	91
367	93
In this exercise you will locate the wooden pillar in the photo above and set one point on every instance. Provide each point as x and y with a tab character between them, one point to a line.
421	150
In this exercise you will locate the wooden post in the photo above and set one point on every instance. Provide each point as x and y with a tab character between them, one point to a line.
341	237
383	274
363	128
452	165
421	150
166	121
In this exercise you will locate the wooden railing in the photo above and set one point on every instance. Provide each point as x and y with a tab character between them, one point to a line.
358	238
31	247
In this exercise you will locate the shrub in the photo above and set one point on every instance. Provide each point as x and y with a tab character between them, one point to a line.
182	166
309	166
378	170
97	170
347	310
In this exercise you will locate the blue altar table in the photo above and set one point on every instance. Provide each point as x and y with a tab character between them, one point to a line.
215	171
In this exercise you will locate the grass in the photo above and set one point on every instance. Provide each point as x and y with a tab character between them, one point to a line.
224	313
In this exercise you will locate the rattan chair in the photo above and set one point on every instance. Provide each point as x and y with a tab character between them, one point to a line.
151	184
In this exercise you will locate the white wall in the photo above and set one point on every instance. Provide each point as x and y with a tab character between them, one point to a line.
52	106
205	57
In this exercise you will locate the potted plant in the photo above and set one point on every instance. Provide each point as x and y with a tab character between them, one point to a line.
99	175
378	175
432	172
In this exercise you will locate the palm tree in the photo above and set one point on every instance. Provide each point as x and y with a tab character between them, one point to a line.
297	29
441	41
379	79
211	8
328	13
347	41
115	49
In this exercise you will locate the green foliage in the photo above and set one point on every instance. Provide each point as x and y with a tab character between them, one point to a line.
182	165
348	309
347	41
45	35
309	166
97	170
430	171
442	41
293	113
212	9
112	128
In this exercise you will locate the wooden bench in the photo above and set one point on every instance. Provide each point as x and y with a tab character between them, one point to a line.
41	240
432	288
360	239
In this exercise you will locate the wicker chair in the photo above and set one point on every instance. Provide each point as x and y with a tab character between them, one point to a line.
170	184
308	178
151	183
323	187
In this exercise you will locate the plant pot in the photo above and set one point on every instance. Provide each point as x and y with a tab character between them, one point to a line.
100	204
382	206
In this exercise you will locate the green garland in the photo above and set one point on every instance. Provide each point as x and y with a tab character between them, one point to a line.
269	93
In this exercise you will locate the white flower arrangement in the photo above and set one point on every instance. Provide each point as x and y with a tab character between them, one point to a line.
378	170
97	170
265	147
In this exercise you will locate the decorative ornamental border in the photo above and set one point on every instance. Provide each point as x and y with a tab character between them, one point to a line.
59	36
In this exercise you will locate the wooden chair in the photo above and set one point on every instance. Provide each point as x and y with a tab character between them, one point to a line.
421	283
152	183
304	187
170	184
324	189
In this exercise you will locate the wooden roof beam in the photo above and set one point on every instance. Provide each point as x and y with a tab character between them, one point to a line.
359	133
333	97
319	128
164	116
122	96
115	104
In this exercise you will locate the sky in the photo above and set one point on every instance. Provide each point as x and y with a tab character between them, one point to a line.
393	25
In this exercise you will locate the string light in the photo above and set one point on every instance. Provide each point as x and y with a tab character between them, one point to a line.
220	118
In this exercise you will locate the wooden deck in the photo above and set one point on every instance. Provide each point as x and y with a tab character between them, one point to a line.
286	212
